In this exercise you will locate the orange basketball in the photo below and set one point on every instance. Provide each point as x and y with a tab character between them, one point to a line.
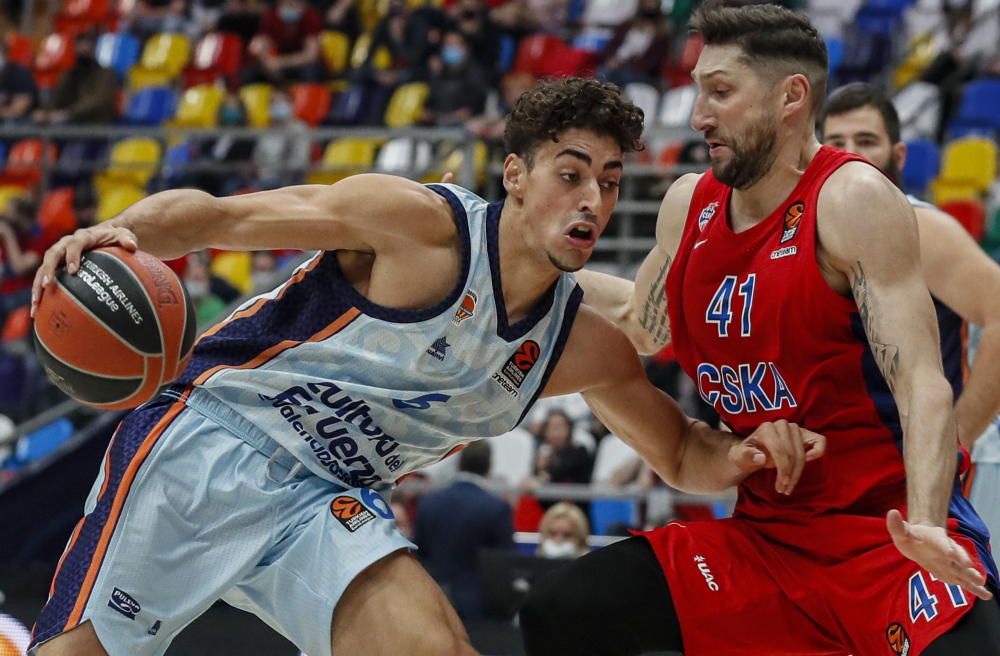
113	334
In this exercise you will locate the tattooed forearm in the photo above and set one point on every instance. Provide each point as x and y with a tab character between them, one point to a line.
886	355
654	317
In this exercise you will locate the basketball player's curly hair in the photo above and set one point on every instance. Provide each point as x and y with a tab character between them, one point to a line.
552	107
775	41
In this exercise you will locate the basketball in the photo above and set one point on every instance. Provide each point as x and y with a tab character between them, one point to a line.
113	334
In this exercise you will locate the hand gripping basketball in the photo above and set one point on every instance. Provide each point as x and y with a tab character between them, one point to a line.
68	250
779	445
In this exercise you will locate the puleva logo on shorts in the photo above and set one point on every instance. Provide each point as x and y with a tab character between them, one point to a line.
790	224
467	309
123	602
899	642
706	215
350	512
511	376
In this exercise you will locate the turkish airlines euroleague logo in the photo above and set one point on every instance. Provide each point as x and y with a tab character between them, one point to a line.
511	376
350	512
790	225
899	642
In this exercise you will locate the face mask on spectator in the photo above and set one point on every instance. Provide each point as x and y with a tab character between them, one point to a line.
290	14
231	116
553	549
281	112
198	289
452	55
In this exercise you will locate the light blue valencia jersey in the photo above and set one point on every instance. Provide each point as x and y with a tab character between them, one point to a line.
363	394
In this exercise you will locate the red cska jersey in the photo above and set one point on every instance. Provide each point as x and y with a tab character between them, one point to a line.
764	337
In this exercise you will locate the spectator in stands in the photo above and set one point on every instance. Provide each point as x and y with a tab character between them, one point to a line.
263	271
22	245
240	17
86	93
282	154
292	52
481	34
223	163
198	281
342	16
149	17
454	523
458	85
85	204
204	17
564	530
638	48
410	37
559	460
18	93
491	126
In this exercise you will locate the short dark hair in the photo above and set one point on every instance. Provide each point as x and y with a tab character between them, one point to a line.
861	94
767	33
555	106
475	458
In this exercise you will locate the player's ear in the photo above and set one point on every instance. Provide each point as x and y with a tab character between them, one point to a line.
899	150
796	93
514	170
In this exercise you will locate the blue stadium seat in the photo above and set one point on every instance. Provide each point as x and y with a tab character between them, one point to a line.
76	162
43	441
508	49
607	514
980	106
151	106
3	153
835	53
118	51
923	162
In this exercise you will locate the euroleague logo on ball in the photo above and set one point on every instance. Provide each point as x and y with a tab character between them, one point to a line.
790	224
899	642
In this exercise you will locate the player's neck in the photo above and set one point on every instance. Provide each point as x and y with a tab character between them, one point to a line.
752	205
524	275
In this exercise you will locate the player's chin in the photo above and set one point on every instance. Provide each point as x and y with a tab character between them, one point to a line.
570	261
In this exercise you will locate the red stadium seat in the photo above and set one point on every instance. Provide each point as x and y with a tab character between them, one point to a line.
55	56
56	216
17	326
217	55
970	214
311	102
535	51
26	161
20	49
79	15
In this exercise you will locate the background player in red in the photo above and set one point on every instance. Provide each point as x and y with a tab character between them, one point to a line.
794	290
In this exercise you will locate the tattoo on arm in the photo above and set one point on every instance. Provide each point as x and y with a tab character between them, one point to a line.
886	355
654	311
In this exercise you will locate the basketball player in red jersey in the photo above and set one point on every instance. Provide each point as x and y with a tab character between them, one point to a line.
788	278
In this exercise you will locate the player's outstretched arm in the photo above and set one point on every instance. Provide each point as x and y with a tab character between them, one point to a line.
867	232
965	279
689	455
640	309
367	213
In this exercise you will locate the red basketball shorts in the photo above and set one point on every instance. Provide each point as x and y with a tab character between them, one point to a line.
818	586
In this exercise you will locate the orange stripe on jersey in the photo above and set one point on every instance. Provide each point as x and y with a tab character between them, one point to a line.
338	324
259	303
116	508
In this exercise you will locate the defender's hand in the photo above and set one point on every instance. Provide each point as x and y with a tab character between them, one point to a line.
933	549
68	251
779	445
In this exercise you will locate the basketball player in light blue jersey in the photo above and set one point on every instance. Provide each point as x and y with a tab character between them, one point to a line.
427	319
964	283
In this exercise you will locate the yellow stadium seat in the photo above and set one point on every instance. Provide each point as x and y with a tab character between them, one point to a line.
971	160
406	105
166	52
133	161
235	268
372	11
336	49
344	158
9	192
114	200
456	159
199	107
257	99
922	51
140	78
360	51
944	191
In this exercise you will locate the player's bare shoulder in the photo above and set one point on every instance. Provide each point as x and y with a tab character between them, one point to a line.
674	210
